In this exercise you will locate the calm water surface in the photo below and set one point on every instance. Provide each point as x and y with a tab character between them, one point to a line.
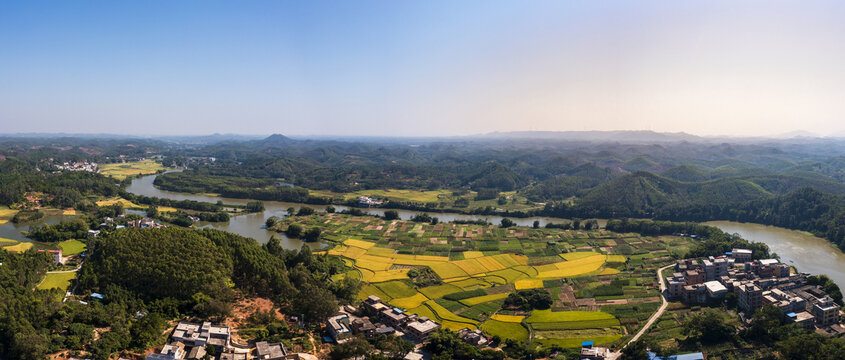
810	254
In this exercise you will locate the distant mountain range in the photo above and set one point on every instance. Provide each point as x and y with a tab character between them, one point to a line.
632	136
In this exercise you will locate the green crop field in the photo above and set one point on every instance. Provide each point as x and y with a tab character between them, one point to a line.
481	265
506	330
71	247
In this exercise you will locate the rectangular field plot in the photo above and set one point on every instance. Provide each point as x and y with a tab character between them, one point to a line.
471	284
447	270
409	302
472	254
508	318
438	291
563	339
489	263
528	284
510	275
387	275
396	289
578	255
483	299
572	268
563	316
471	266
506	330
359	243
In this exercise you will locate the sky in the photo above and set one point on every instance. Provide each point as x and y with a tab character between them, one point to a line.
422	68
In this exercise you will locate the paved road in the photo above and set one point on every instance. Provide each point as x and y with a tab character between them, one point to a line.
653	318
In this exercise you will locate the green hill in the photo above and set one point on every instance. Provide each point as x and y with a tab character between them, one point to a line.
686	173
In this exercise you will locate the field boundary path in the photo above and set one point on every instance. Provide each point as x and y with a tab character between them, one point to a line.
653	318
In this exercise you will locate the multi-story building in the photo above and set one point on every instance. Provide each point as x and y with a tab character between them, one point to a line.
692	277
741	255
749	297
826	311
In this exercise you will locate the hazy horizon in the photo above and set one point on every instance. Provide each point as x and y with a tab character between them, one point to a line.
422	69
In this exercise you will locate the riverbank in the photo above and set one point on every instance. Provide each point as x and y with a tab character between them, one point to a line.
808	253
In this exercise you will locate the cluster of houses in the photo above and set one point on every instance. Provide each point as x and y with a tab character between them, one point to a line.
144	223
207	341
78	166
368	201
755	283
391	321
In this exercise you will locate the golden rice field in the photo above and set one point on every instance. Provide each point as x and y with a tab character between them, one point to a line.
126	203
478	277
57	281
6	214
528	284
19	247
121	171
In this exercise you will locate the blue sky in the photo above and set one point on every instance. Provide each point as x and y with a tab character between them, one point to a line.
413	68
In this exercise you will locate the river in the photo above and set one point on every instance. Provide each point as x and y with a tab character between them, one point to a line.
810	254
252	225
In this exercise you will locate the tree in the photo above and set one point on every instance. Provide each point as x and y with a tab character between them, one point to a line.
291	211
255	206
536	224
152	211
637	350
353	348
708	327
506	223
312	235
271	221
294	231
316	303
391	215
305	211
330	209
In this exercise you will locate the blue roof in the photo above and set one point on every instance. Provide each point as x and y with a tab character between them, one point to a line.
792	314
587	343
97	296
729	252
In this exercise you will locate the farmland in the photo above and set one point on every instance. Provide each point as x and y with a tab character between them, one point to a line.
57	281
71	247
602	284
6	214
444	199
121	171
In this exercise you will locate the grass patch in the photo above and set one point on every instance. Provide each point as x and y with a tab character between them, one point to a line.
71	247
